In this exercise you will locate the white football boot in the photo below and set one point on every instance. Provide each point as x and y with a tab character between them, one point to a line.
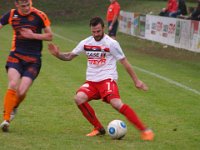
5	125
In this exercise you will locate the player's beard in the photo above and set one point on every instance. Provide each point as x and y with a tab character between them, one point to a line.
27	12
98	38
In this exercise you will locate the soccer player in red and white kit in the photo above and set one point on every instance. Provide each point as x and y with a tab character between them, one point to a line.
102	53
24	61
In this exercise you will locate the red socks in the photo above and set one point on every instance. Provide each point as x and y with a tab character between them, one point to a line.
132	116
89	114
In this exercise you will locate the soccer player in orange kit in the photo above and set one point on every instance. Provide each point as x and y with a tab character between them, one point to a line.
24	61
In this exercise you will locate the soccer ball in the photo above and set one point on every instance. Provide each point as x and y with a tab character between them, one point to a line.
117	129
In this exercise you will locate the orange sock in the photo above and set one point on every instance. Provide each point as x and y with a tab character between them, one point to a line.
19	100
9	103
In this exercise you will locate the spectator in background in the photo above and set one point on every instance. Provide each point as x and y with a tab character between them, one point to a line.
190	11
172	7
182	9
196	13
112	18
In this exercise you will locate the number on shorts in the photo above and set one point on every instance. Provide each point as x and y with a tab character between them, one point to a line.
108	85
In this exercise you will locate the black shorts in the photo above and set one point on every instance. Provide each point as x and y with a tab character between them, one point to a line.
28	66
113	32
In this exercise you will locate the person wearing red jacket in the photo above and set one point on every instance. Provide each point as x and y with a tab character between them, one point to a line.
172	7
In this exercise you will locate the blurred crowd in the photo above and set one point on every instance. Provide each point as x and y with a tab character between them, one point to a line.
179	9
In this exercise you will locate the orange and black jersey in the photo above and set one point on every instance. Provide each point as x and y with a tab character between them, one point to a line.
36	21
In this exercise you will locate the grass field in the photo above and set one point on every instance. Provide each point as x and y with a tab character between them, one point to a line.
48	119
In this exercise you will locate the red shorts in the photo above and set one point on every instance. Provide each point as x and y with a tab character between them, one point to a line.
105	90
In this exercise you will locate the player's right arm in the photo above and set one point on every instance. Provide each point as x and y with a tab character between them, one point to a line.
55	51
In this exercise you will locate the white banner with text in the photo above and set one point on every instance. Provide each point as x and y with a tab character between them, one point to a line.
175	32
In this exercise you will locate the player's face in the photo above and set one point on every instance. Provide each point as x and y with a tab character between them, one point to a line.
97	32
24	6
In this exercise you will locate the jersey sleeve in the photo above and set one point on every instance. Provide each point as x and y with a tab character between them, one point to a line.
116	51
79	48
5	18
45	19
43	16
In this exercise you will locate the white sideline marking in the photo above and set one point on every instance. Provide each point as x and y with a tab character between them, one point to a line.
147	72
64	38
168	80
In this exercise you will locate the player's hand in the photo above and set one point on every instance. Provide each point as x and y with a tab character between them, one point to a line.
164	9
53	49
110	27
140	85
27	33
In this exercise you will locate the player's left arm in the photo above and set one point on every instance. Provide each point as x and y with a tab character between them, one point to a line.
138	83
29	34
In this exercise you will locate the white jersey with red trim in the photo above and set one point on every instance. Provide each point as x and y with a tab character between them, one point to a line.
102	56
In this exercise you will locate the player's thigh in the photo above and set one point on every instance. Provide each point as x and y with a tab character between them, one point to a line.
90	90
30	73
13	78
109	90
24	85
31	70
80	97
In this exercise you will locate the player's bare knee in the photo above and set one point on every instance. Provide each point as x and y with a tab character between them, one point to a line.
12	85
80	98
116	103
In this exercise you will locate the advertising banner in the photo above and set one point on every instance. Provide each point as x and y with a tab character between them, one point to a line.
185	41
126	22
184	34
160	29
195	36
142	26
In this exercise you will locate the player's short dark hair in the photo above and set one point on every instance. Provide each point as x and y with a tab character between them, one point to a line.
96	20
